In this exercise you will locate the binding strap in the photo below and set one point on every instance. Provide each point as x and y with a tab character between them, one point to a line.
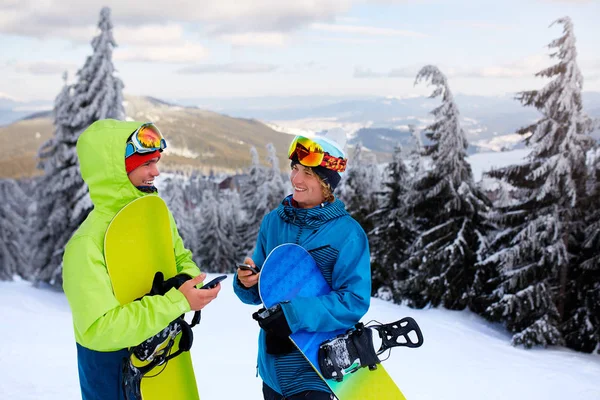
156	350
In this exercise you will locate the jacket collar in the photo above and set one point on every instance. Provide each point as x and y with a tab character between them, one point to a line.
312	217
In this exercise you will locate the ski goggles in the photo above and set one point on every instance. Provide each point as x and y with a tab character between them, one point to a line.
311	153
145	139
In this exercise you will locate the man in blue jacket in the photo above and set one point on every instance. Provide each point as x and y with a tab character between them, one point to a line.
312	218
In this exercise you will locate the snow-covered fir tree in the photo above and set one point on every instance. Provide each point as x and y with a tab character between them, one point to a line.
256	202
56	193
63	199
216	237
275	186
582	327
449	211
360	186
98	93
230	219
254	176
13	230
529	280
176	194
416	162
393	232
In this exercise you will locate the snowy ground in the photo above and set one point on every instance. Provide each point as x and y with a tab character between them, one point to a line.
484	162
463	356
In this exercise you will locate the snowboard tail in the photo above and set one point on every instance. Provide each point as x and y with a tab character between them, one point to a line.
290	271
138	244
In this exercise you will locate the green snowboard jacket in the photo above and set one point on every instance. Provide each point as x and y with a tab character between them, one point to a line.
101	323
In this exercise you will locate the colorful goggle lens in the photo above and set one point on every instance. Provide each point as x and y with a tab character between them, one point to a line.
312	154
146	139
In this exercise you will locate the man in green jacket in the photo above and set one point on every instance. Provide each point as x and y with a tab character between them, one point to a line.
116	174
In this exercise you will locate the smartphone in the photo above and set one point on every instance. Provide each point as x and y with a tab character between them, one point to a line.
214	282
247	267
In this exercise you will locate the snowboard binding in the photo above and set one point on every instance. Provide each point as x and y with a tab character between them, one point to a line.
158	349
151	353
354	349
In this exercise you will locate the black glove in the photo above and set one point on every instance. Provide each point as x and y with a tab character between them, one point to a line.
277	329
160	286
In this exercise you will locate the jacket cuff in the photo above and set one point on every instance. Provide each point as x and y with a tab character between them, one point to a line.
290	316
178	299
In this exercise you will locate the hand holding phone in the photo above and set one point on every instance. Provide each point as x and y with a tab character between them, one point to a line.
214	282
248	267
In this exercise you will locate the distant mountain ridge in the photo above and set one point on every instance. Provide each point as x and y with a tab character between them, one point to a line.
205	140
12	110
489	122
197	139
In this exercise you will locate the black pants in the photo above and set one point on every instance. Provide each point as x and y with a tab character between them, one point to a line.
270	394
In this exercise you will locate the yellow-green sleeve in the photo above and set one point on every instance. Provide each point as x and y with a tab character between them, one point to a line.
100	322
183	257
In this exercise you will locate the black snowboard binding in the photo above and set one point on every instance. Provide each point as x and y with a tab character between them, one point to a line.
348	352
158	349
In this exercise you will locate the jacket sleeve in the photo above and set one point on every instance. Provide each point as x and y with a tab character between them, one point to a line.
347	302
250	295
183	256
101	323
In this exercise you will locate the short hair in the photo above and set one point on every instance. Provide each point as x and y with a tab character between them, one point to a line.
325	188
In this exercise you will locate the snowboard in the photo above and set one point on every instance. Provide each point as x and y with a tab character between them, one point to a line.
290	271
138	244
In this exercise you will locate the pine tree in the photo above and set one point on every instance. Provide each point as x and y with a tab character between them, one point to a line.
216	238
360	186
229	219
98	93
275	187
196	187
529	269
64	201
52	225
582	328
417	165
449	211
175	193
255	204
393	231
13	230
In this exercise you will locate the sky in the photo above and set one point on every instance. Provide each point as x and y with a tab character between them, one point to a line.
462	357
177	49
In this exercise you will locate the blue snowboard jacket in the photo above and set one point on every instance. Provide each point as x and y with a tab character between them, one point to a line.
340	247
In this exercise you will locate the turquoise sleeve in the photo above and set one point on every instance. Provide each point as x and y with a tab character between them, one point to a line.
347	302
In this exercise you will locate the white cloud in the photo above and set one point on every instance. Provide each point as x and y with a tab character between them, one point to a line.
256	39
347	20
234	68
361	72
403	72
485	25
182	53
365	30
44	18
524	68
8	97
346	40
149	34
568	1
43	67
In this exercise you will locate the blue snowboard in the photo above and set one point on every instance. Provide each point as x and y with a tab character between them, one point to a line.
290	271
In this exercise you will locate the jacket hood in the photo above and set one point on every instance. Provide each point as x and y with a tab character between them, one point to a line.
101	152
312	217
